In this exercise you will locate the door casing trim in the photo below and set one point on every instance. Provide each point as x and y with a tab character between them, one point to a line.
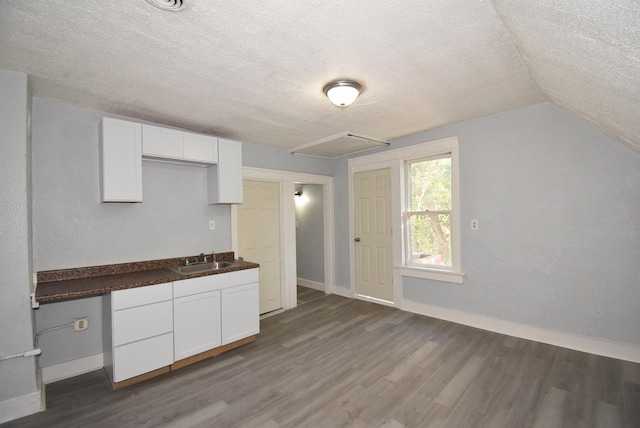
287	181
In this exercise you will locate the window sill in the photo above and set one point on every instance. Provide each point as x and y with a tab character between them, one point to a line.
434	274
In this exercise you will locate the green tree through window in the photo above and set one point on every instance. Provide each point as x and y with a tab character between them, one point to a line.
428	214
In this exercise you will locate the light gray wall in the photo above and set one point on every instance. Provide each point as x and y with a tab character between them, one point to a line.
17	376
73	229
268	157
310	233
558	205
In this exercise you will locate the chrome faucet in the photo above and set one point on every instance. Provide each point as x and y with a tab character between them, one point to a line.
214	257
198	260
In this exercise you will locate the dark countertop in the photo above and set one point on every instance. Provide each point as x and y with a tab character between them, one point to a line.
67	284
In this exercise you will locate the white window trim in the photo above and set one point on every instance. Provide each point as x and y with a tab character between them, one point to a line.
395	159
405	212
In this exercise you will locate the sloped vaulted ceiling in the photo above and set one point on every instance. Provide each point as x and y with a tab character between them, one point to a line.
585	57
254	70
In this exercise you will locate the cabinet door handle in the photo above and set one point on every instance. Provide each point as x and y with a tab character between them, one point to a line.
357	239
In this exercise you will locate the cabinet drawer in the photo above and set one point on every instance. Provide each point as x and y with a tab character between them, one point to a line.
123	299
141	322
141	357
203	284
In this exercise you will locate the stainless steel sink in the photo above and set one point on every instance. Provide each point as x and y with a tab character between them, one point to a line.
200	268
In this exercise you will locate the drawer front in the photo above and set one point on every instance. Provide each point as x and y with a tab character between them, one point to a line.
141	322
203	284
141	357
132	297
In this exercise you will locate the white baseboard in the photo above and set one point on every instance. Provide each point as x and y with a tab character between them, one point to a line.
311	284
72	368
22	406
621	351
341	291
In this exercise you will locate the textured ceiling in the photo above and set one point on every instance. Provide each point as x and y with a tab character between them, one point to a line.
585	57
254	70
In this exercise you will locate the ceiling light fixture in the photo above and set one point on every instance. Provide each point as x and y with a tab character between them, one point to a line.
170	5
342	93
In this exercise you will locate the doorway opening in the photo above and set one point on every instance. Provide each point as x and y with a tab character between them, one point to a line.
309	202
286	182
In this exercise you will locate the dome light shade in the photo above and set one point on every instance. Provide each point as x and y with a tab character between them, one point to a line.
342	93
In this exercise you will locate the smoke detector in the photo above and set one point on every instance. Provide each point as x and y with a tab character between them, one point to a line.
170	5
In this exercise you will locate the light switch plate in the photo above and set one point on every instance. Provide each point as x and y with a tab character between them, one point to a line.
212	225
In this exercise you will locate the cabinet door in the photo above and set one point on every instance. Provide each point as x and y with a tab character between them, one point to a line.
225	180
141	357
121	157
161	142
196	324
200	148
240	312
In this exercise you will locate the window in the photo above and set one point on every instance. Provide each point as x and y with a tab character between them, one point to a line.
427	213
425	188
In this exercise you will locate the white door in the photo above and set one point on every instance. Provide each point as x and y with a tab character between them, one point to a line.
372	193
259	238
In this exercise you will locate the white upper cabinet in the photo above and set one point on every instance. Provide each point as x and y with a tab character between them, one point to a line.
225	179
121	161
124	144
200	148
171	145
161	142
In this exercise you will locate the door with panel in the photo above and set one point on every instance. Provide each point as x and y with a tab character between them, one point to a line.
374	261
259	238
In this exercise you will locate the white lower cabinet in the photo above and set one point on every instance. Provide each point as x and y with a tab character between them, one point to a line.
240	309
138	331
196	324
140	357
211	311
148	328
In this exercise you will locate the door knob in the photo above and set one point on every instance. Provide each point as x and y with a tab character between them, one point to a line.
357	239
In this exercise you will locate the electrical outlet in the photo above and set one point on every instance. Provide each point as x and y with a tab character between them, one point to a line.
212	225
474	224
80	324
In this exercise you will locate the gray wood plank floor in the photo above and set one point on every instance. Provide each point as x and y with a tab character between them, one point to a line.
306	294
336	362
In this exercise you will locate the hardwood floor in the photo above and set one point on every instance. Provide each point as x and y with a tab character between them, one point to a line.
306	294
336	362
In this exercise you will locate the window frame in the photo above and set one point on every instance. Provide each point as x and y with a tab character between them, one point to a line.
454	273
407	213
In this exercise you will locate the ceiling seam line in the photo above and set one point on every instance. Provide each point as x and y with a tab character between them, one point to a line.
516	45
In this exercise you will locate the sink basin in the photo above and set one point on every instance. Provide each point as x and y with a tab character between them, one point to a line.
200	268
